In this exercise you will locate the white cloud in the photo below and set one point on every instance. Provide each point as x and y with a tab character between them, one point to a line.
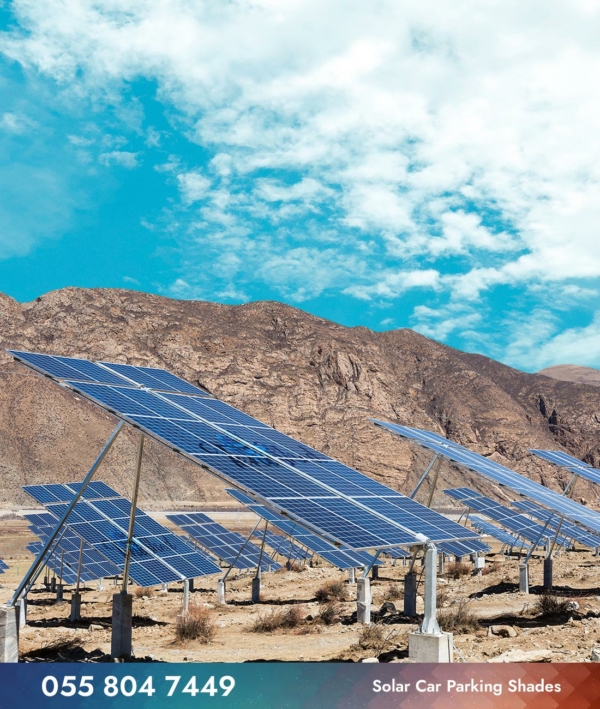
193	186
119	157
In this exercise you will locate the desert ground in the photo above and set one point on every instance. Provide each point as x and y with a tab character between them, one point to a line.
491	620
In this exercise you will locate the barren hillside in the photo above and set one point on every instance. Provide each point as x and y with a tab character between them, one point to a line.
306	376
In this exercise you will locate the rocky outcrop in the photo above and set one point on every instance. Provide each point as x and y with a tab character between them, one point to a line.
308	377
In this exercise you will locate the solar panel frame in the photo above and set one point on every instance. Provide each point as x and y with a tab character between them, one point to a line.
567	528
564	460
500	534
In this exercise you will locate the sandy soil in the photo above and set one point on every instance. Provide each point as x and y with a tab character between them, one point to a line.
493	598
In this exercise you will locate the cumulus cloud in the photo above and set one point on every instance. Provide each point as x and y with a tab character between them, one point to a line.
119	157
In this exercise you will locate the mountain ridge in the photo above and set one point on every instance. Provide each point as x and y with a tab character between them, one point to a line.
313	379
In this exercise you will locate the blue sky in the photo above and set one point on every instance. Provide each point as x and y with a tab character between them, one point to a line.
392	164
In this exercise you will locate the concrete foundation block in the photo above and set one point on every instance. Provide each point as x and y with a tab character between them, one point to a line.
363	602
221	593
53	585
524	578
191	585
547	574
122	612
59	593
375	572
441	562
430	648
410	595
256	590
75	607
351	576
9	633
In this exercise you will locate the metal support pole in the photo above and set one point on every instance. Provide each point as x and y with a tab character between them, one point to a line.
79	566
433	485
537	541
370	566
262	547
240	552
62	564
551	550
136	486
186	595
430	626
424	476
39	558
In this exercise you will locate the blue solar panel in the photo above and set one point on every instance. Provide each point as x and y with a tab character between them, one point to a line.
499	534
568	529
343	558
564	460
155	552
515	522
158	379
498	473
80	370
271	465
222	542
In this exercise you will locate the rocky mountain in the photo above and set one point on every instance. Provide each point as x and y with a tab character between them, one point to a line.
308	377
573	373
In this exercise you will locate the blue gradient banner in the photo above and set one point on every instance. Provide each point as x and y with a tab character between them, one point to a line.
299	686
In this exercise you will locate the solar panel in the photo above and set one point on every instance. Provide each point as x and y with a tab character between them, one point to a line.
568	529
564	460
282	546
221	542
333	500
3	566
153	378
496	532
94	564
101	518
498	473
54	561
343	558
515	522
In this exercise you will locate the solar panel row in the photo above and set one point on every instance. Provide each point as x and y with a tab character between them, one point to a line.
568	529
498	474
564	460
282	546
332	499
101	518
224	544
518	523
499	534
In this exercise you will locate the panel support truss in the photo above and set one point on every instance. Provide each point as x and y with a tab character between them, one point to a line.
136	487
436	460
40	557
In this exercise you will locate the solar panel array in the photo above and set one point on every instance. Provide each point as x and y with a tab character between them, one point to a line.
3	566
94	564
500	534
343	558
570	530
101	518
564	460
499	474
282	546
53	561
224	544
332	499
518	523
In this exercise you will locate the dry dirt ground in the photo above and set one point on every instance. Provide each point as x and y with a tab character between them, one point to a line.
493	599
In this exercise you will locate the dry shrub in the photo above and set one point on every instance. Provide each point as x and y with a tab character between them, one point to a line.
377	637
140	591
442	596
492	568
547	604
457	569
329	613
458	618
277	619
197	624
295	566
393	593
53	650
332	591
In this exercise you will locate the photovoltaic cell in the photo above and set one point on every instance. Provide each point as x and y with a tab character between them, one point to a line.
282	546
498	473
221	542
157	555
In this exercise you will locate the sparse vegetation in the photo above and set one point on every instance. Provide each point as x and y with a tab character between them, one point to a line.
332	591
197	624
141	591
377	637
278	619
393	593
457	569
329	613
492	568
547	604
458	618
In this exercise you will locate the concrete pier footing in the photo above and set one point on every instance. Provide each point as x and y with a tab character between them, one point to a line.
524	578
75	607
121	647
256	589
9	633
547	574
410	595
221	593
363	602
